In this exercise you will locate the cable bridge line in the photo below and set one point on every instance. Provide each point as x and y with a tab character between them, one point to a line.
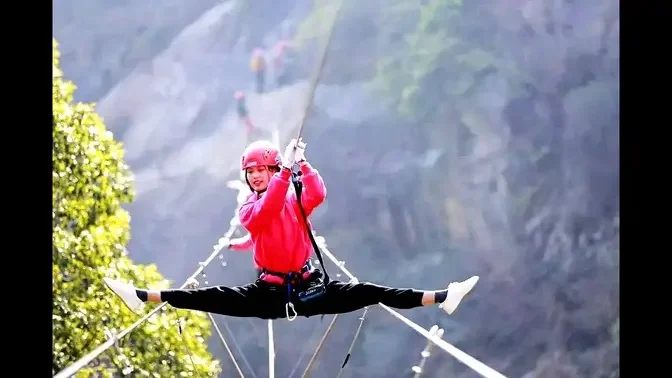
476	365
82	362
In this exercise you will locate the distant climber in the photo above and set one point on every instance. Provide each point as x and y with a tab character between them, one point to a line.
282	61
277	220
243	115
258	67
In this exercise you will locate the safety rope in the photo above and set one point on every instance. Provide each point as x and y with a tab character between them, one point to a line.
305	349
319	347
239	350
184	344
226	346
110	342
318	73
354	340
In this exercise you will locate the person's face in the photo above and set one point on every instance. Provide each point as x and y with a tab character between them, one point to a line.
258	177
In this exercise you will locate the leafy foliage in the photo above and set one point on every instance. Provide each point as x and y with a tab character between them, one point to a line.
90	182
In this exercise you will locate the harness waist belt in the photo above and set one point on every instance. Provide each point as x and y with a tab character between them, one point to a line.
281	278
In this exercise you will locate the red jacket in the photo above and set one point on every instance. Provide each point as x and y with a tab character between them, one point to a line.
281	243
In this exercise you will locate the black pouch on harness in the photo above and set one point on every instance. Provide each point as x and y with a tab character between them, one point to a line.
316	285
314	290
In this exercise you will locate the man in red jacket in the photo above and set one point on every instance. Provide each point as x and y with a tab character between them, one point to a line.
282	250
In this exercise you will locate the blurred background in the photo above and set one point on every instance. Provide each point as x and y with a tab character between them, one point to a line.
455	139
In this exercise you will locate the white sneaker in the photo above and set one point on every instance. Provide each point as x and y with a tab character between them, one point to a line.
456	292
126	292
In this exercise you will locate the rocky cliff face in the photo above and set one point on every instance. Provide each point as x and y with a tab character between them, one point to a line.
517	185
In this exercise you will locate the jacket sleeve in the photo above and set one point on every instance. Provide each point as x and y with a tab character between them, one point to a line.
314	191
255	214
241	244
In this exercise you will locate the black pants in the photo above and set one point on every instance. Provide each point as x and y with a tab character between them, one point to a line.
266	301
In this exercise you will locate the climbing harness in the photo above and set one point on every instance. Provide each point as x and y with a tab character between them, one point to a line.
305	284
276	278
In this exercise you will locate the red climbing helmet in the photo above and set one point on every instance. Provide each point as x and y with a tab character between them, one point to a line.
239	95
259	153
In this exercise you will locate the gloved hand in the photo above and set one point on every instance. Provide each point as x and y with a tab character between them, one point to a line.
290	154
300	151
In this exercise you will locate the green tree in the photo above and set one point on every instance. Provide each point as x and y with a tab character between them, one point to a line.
90	181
